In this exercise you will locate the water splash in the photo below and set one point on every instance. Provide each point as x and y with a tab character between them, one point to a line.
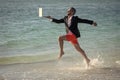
80	65
117	62
97	62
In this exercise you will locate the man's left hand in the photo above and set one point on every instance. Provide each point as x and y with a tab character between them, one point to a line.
94	24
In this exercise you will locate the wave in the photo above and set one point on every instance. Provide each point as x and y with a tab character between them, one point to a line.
26	59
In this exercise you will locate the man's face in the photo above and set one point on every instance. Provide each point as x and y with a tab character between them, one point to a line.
69	12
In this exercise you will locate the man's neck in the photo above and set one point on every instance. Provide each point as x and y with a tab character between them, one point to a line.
70	16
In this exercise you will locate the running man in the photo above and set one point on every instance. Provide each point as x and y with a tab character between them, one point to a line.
72	32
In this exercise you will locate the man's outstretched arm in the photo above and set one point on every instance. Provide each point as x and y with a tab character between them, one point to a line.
55	20
87	21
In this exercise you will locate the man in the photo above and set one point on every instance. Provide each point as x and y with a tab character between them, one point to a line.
71	23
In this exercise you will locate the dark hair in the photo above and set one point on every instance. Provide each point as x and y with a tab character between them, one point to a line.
74	10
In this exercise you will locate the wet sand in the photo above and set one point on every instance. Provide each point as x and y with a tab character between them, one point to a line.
54	70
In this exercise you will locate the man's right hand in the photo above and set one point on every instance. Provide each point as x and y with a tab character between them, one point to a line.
49	17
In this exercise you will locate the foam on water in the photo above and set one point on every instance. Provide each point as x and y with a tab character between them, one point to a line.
97	62
118	62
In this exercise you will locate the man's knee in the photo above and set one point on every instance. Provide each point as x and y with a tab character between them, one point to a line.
61	38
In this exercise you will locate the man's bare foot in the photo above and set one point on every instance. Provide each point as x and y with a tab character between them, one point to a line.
88	62
61	54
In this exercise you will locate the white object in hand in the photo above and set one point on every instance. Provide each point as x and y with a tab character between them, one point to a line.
40	12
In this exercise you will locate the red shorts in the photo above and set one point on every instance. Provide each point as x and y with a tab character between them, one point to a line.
72	38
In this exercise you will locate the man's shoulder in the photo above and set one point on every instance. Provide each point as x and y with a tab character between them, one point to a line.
75	16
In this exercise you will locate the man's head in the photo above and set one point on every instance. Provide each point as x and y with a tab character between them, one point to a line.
71	11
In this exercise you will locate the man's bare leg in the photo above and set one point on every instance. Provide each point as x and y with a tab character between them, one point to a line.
61	44
79	49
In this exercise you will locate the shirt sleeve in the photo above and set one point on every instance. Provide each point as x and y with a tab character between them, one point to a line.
58	20
84	21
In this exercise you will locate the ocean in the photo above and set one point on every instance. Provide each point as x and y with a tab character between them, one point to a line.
26	38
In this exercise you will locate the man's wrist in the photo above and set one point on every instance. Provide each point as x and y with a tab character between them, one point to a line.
51	19
94	23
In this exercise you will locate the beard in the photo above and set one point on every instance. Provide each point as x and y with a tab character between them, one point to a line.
68	14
